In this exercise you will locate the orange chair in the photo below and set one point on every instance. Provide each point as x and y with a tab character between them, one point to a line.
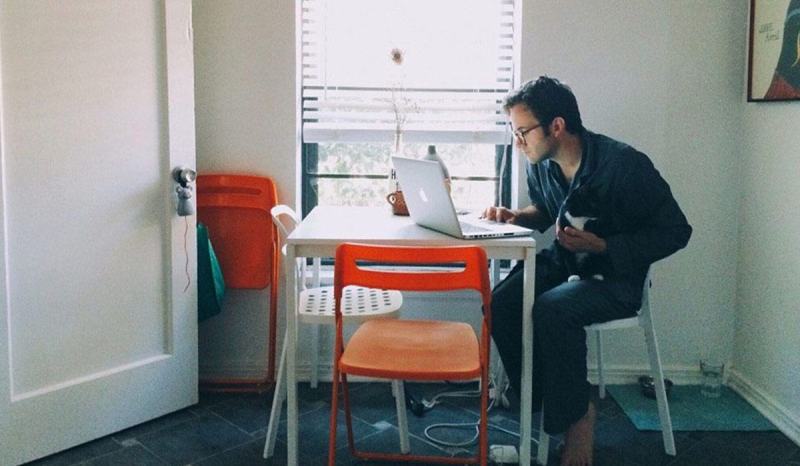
411	349
236	210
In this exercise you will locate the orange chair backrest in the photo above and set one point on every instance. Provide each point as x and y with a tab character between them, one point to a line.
236	210
474	275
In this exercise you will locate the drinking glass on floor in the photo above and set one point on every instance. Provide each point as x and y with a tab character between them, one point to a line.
712	378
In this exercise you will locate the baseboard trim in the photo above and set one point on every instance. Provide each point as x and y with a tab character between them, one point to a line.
766	405
629	374
614	374
252	371
232	371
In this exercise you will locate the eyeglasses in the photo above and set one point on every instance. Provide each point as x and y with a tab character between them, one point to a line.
520	134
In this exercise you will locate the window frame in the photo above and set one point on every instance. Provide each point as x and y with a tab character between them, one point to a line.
310	158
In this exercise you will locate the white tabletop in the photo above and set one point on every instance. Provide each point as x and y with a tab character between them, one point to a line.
326	227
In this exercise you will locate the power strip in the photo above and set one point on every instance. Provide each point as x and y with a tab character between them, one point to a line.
503	454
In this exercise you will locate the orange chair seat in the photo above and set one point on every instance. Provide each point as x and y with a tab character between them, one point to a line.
413	350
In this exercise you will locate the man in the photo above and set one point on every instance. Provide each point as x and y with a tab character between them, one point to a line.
642	224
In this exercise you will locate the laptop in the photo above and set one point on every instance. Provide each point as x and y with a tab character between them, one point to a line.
430	205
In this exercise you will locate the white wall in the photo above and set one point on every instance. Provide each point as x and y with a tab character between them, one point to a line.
245	101
767	343
665	77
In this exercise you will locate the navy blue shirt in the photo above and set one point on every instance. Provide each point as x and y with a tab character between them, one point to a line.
642	222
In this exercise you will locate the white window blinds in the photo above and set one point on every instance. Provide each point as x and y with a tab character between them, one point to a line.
457	66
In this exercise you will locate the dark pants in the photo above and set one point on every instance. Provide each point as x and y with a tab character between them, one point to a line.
560	312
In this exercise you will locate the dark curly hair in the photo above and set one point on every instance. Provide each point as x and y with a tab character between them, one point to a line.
547	98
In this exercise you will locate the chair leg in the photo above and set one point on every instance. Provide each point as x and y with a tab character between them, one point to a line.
277	404
601	381
402	420
348	415
334	411
483	431
661	392
544	443
315	356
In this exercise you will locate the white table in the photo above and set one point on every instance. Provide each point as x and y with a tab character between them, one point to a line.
326	227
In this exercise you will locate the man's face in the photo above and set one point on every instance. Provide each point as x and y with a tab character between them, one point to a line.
529	134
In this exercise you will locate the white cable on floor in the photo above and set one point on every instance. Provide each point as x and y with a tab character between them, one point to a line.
473	425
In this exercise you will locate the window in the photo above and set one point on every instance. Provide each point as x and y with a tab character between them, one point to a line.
458	64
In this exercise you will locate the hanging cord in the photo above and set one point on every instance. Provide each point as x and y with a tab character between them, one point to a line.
186	253
466	425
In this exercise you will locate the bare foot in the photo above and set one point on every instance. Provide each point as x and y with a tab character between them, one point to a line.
579	440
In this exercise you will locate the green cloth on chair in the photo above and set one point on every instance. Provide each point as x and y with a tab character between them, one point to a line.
210	283
690	410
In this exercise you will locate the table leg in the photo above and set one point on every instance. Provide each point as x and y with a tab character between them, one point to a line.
291	359
315	329
526	385
494	272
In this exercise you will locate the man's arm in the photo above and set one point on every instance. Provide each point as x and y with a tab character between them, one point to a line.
660	225
529	217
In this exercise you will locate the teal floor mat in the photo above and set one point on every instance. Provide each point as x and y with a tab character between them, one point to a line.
691	411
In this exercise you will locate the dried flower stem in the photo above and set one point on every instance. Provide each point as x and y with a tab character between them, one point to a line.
399	102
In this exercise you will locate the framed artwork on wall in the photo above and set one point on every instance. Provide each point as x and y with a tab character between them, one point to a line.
774	51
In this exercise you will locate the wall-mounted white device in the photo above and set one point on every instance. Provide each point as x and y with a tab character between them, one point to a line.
185	178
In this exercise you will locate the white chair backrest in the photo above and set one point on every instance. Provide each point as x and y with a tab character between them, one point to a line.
644	310
648	283
284	229
286	220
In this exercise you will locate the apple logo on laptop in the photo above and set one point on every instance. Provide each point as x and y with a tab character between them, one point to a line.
422	195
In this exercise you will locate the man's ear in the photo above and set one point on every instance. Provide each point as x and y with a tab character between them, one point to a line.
558	126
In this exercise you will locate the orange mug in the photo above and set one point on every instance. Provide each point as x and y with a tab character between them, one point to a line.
398	203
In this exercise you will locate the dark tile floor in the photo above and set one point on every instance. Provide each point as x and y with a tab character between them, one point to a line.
229	430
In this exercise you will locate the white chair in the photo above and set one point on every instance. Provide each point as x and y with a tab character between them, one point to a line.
645	322
315	306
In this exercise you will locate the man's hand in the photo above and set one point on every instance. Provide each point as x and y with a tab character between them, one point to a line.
580	241
500	214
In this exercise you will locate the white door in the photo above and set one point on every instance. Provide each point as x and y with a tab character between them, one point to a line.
96	330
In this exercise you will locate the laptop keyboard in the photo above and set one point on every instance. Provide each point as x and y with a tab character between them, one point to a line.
470	228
